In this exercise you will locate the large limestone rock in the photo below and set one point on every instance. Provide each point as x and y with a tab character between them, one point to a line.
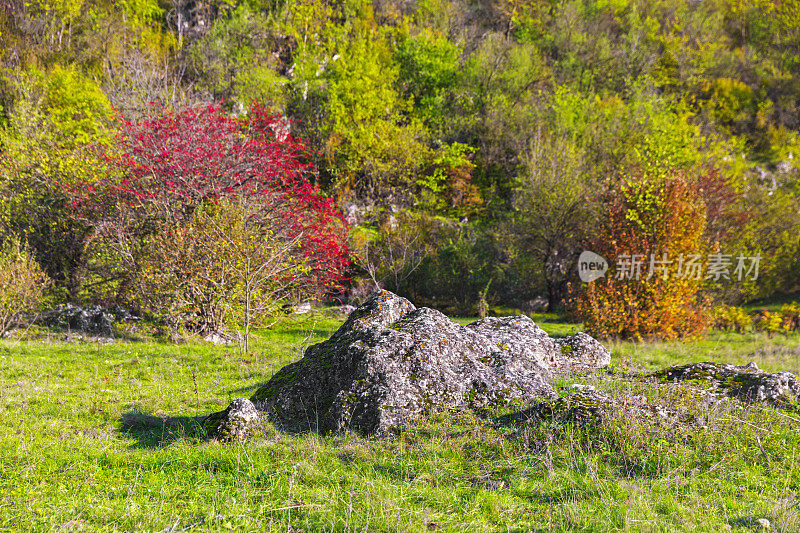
746	382
391	363
521	341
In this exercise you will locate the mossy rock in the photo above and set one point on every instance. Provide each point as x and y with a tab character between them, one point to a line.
745	382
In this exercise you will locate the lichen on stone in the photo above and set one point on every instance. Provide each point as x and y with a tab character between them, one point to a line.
239	421
391	364
745	382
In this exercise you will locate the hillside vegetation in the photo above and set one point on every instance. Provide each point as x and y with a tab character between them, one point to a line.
473	147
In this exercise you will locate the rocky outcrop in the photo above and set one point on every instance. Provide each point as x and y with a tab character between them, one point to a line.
584	405
745	382
581	352
390	363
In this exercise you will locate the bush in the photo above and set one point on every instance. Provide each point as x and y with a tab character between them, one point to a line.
389	252
221	269
43	151
730	318
454	277
790	314
770	322
170	168
648	213
22	284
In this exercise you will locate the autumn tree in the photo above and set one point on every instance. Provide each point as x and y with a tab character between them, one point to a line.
651	235
173	164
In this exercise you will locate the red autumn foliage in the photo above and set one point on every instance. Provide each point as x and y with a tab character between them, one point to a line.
169	164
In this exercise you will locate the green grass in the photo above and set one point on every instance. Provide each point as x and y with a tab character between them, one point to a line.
773	303
105	438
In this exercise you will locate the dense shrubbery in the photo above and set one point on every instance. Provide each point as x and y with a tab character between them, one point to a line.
494	126
211	219
791	316
220	269
22	284
730	318
770	322
652	216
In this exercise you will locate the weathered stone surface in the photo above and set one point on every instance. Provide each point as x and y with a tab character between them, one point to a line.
90	319
217	338
586	405
581	352
239	421
582	407
746	382
523	344
302	308
223	336
390	363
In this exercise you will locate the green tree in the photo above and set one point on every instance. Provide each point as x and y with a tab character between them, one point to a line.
429	69
44	153
553	210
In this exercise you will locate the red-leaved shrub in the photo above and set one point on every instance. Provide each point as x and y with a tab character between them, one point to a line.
164	167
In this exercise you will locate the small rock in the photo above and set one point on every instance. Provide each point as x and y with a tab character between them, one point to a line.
346	309
582	407
239	421
537	305
217	338
590	406
764	523
303	308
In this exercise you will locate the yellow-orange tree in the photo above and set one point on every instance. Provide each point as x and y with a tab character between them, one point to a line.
658	218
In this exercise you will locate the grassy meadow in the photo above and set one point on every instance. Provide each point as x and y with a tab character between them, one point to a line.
104	437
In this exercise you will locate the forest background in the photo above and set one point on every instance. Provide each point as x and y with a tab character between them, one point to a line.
460	153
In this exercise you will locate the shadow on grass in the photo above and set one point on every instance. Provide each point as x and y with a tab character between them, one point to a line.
516	419
151	431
